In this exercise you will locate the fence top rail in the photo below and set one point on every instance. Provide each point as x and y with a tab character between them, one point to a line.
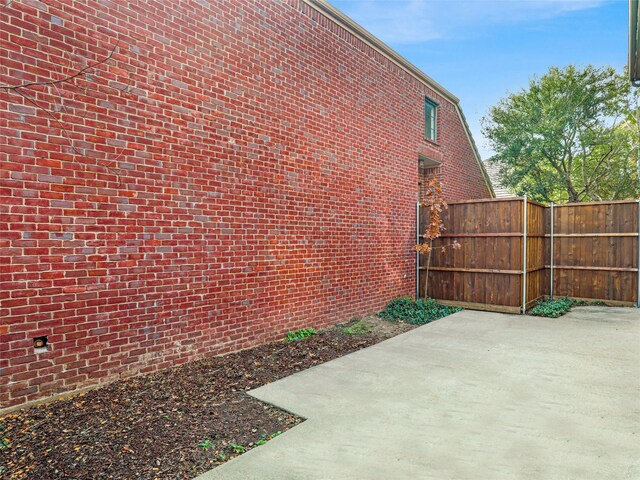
533	202
486	200
494	200
581	204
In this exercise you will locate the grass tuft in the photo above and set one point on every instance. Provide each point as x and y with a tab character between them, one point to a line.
299	334
355	327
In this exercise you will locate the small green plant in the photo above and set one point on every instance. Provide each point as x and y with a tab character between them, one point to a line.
416	312
237	448
355	327
265	438
4	441
206	445
553	308
299	334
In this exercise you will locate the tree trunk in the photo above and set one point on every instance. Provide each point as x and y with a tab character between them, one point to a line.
573	194
426	277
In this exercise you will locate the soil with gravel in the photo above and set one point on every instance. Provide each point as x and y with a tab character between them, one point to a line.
174	424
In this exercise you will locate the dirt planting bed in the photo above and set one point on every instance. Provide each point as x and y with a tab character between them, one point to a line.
174	424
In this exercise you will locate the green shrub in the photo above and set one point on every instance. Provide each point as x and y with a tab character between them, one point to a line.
416	312
553	308
299	334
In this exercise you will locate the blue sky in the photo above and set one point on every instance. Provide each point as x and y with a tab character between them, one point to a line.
481	50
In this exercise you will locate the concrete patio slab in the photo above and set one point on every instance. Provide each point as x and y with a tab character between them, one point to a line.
473	396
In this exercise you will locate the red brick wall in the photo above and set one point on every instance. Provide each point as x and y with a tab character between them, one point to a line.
237	170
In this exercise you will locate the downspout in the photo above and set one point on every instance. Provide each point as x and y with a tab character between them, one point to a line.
417	253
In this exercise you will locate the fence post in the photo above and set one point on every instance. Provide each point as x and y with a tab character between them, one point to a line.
524	255
551	261
638	292
417	253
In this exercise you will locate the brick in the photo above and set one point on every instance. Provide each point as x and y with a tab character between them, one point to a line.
257	176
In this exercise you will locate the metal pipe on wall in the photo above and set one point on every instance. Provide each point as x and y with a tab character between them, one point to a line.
417	253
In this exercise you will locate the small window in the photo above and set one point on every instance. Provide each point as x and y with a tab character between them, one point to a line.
430	119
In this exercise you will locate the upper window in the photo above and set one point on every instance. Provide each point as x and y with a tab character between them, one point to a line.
430	117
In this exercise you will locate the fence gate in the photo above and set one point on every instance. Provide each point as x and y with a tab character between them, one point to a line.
516	251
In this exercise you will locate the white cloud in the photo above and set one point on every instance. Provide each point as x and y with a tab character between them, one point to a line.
415	21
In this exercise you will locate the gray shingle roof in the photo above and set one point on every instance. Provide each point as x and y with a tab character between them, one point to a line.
494	175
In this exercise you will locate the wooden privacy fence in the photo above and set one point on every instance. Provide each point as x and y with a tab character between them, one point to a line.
515	252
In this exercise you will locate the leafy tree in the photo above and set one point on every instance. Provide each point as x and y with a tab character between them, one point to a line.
571	136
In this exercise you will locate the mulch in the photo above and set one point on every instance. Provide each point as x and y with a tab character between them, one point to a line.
174	424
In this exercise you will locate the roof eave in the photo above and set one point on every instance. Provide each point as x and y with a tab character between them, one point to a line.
340	18
476	152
